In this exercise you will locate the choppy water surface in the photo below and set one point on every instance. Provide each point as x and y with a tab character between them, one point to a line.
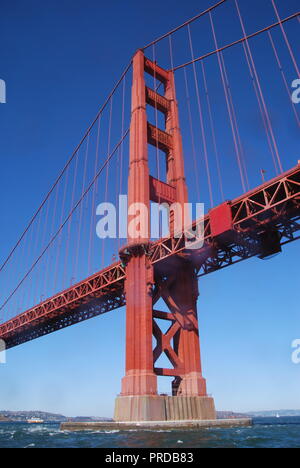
271	432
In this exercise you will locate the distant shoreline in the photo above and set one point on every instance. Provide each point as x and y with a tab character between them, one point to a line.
24	416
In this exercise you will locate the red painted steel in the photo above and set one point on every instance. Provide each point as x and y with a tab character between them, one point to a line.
143	285
275	204
220	220
102	291
140	378
157	100
161	192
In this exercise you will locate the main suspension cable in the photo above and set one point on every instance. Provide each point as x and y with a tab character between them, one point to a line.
65	167
239	41
65	221
184	24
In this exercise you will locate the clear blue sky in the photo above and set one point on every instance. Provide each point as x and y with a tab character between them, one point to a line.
60	60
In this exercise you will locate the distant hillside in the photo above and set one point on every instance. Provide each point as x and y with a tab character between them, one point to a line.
89	419
6	416
47	417
25	415
274	413
258	414
231	415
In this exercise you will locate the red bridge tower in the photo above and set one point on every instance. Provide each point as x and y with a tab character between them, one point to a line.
174	280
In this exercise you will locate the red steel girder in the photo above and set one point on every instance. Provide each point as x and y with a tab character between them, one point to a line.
275	204
157	101
105	287
159	138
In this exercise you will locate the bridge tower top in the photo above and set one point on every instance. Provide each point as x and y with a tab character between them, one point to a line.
142	187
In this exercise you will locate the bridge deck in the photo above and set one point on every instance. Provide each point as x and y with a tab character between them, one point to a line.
275	204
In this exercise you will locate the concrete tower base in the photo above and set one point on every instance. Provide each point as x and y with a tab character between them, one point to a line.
164	408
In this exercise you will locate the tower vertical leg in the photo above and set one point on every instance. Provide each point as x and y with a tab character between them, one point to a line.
138	400
184	293
140	378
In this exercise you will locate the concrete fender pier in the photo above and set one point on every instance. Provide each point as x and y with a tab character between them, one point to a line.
154	425
164	408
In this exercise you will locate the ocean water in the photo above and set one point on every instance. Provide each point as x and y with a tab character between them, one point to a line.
265	433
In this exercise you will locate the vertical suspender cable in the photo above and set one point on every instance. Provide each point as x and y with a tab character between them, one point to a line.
201	120
286	39
213	131
235	122
260	89
107	167
57	260
71	219
283	76
255	87
75	271
228	106
121	152
47	282
91	242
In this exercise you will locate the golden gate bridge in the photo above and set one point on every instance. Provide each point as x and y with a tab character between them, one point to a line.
186	127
